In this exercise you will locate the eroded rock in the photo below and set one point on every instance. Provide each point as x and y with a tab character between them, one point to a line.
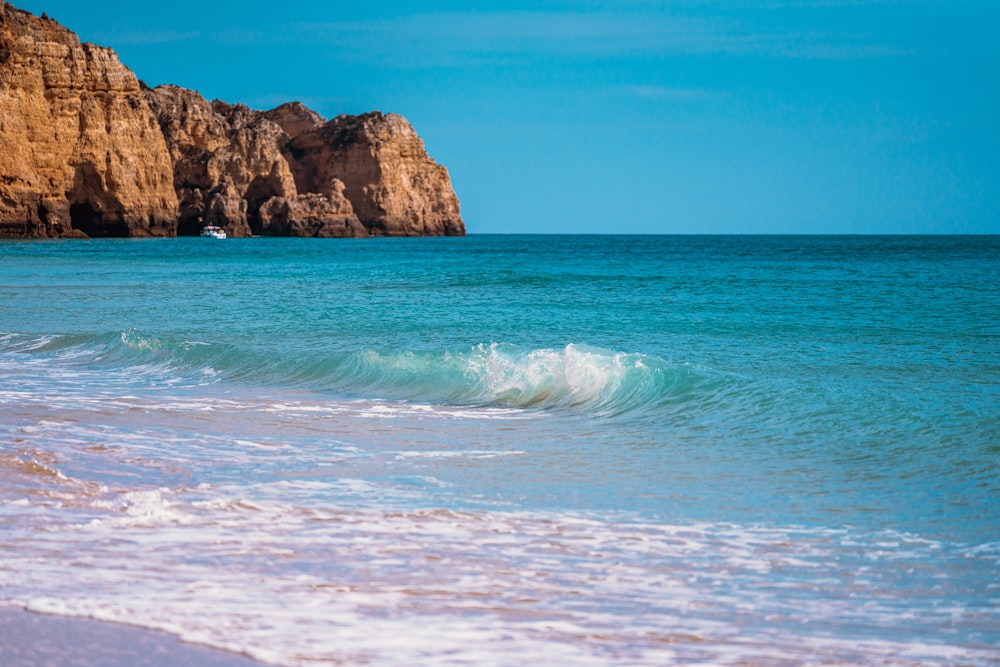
80	150
227	160
395	187
86	149
320	215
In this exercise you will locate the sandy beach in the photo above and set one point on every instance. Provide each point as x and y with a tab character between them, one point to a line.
33	640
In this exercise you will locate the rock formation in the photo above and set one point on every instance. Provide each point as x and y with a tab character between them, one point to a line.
395	187
295	118
80	151
311	214
86	149
226	160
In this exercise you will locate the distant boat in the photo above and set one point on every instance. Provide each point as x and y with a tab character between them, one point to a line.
213	232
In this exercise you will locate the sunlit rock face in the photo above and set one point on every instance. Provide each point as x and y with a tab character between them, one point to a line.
88	150
227	160
395	187
81	153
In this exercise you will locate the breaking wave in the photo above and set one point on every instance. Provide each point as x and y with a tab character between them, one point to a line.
574	377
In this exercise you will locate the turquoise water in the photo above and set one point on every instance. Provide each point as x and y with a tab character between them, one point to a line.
510	449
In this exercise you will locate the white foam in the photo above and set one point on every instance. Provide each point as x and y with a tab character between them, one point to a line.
572	374
285	573
470	454
353	559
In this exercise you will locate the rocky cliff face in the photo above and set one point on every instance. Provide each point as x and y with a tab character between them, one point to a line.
227	159
319	215
86	149
80	151
395	187
229	171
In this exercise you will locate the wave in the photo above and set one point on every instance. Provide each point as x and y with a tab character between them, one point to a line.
575	377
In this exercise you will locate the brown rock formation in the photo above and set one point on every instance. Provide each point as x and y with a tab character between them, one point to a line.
328	215
226	160
80	150
86	149
395	187
225	208
295	118
229	170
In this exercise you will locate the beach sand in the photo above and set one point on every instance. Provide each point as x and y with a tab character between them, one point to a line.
32	640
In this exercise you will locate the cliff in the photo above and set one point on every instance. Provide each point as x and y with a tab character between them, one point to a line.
395	187
229	171
87	150
80	151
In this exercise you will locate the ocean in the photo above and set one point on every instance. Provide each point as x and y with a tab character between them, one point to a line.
510	450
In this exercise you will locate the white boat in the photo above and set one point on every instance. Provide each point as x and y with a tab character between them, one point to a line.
213	232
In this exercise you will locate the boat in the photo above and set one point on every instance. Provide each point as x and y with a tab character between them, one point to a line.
213	232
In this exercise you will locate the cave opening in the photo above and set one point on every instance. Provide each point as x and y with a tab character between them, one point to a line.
190	225
261	189
90	221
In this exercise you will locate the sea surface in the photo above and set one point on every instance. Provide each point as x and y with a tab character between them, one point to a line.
510	450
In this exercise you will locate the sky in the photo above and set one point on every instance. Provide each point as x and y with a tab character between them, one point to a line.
694	116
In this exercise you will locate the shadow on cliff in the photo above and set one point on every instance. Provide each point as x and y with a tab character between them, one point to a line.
165	161
90	211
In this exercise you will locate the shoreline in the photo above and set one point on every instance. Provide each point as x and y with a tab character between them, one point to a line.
28	639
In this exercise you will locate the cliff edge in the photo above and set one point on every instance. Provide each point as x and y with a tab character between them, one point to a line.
87	150
80	151
395	187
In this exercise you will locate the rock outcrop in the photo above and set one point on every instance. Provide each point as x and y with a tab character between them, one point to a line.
295	118
311	214
86	149
226	160
80	150
395	187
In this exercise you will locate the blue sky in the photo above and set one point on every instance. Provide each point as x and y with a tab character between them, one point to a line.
695	116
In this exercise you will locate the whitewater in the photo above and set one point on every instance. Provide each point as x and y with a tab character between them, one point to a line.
503	450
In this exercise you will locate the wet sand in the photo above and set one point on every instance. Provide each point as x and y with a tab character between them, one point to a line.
33	640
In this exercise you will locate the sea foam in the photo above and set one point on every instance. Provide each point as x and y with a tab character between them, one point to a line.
575	377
